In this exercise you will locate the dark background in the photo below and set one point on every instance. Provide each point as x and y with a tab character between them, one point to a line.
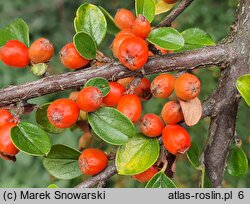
53	19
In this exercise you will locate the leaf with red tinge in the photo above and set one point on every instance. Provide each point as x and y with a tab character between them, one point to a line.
192	111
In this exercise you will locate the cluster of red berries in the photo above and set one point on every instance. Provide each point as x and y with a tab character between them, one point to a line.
7	122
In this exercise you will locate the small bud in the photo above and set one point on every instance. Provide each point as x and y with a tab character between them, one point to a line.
39	69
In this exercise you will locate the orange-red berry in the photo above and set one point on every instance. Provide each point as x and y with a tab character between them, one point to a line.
41	50
89	99
163	86
15	54
151	125
63	113
141	27
170	1
6	145
92	161
70	58
187	86
130	105
171	112
124	19
133	53
176	139
143	89
5	117
146	175
116	92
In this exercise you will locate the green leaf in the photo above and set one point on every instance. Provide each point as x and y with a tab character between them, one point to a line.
111	27
90	19
111	125
145	8
16	30
52	186
62	162
30	139
137	155
193	155
206	182
243	86
196	36
237	163
85	45
43	121
162	7
166	38
100	83
160	180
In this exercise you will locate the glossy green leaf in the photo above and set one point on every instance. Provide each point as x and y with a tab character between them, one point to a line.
52	186
243	86
101	83
16	30
196	36
31	139
167	38
62	162
85	45
145	8
193	155
137	155
111	125
90	19
160	180
111	27
43	121
237	163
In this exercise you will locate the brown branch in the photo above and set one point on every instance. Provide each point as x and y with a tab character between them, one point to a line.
225	98
215	55
100	178
175	13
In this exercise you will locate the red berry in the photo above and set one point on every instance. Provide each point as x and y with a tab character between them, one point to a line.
163	86
89	99
63	113
124	19
133	53
130	105
146	175
176	139
172	113
116	92
92	161
70	58
118	41
15	54
151	125
6	145
143	89
141	27
170	1
41	51
5	117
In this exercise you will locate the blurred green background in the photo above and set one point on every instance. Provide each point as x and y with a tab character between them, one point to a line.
53	19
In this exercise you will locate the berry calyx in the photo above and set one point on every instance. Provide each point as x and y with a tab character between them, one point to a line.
141	27
41	51
146	175
187	86
151	125
70	58
63	113
15	54
124	19
6	145
176	139
89	99
114	95
5	117
171	113
92	161
133	53
163	86
130	105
